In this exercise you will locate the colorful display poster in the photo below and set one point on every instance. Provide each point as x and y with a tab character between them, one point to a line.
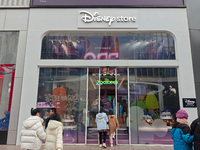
59	99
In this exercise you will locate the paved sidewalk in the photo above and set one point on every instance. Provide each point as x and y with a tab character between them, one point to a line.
92	147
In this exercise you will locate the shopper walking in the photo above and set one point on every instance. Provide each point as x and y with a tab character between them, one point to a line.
195	130
180	132
53	114
113	125
102	126
32	131
54	130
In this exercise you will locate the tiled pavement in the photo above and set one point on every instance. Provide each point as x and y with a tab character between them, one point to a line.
95	147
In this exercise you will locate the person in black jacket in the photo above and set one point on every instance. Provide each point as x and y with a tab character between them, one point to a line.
195	130
53	114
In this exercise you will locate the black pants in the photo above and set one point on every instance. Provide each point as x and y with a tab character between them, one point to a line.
104	137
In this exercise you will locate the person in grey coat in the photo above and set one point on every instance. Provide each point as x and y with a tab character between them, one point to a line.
102	126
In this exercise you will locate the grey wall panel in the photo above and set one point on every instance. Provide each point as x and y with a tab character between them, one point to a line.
193	13
197	85
195	45
194	26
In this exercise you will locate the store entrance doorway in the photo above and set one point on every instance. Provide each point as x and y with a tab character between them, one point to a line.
107	89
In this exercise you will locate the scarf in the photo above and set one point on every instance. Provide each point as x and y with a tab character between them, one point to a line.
182	120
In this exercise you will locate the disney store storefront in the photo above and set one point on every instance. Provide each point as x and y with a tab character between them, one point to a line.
135	67
144	99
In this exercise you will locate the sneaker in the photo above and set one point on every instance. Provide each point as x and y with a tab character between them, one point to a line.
100	145
111	145
104	145
113	137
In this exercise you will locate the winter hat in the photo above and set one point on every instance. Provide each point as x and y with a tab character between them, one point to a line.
182	114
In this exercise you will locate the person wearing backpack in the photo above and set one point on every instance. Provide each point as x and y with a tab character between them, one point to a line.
195	130
180	132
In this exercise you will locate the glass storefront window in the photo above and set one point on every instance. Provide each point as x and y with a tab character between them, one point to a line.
126	46
122	106
144	100
8	53
154	100
93	105
7	73
65	90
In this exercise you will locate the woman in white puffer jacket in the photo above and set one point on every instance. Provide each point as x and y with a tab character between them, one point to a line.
32	131
54	130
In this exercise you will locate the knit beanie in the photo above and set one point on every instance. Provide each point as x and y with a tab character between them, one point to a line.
181	114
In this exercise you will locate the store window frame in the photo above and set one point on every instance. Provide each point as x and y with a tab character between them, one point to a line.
121	63
128	87
153	45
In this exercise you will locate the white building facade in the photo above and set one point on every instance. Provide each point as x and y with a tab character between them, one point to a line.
134	61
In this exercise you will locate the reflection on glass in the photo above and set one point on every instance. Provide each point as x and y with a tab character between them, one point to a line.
122	106
93	105
134	110
108	85
65	89
154	98
93	95
107	89
6	87
135	46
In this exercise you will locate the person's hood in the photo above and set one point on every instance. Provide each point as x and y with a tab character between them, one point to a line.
53	124
100	115
31	121
112	116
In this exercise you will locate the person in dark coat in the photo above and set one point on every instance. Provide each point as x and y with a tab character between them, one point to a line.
180	132
53	114
195	130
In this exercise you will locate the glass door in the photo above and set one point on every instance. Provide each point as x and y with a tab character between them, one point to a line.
108	89
102	86
93	105
122	106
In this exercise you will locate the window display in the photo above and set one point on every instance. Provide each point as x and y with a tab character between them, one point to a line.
144	101
64	89
153	103
127	46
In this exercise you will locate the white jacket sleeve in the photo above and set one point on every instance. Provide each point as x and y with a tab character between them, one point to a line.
40	132
59	143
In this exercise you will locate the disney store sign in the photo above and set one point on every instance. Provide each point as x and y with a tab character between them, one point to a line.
189	102
114	19
96	17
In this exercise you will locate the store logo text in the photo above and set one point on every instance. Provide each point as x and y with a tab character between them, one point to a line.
106	82
91	55
96	17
